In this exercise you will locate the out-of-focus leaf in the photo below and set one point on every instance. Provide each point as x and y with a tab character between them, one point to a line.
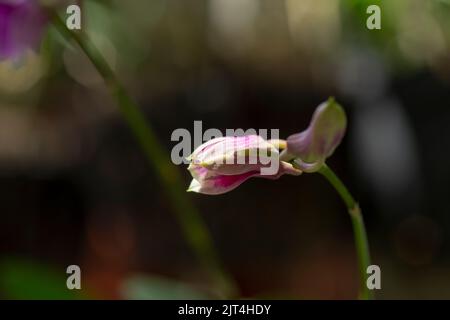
156	288
27	280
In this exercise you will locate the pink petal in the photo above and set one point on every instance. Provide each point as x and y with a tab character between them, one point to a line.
219	184
235	155
207	182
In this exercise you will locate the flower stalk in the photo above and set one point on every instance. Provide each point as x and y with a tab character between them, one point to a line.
190	220
360	235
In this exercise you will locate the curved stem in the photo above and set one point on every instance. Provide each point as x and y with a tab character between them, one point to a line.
361	243
193	227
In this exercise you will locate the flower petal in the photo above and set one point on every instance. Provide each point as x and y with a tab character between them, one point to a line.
219	184
208	182
235	155
202	149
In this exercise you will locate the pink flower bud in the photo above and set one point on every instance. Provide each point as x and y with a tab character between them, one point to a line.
311	147
222	164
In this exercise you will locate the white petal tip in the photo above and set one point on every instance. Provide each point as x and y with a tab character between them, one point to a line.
194	186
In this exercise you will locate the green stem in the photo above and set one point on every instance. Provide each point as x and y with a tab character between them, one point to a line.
361	243
193	227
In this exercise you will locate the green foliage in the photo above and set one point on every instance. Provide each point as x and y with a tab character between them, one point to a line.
25	280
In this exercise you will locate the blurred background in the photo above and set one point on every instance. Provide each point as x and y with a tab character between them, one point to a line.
75	187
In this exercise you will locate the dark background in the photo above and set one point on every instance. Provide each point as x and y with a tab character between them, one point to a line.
75	187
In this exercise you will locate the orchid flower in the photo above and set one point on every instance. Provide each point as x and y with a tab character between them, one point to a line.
222	164
22	23
215	167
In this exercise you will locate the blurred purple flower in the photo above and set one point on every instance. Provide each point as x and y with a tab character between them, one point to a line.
222	164
22	23
311	147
